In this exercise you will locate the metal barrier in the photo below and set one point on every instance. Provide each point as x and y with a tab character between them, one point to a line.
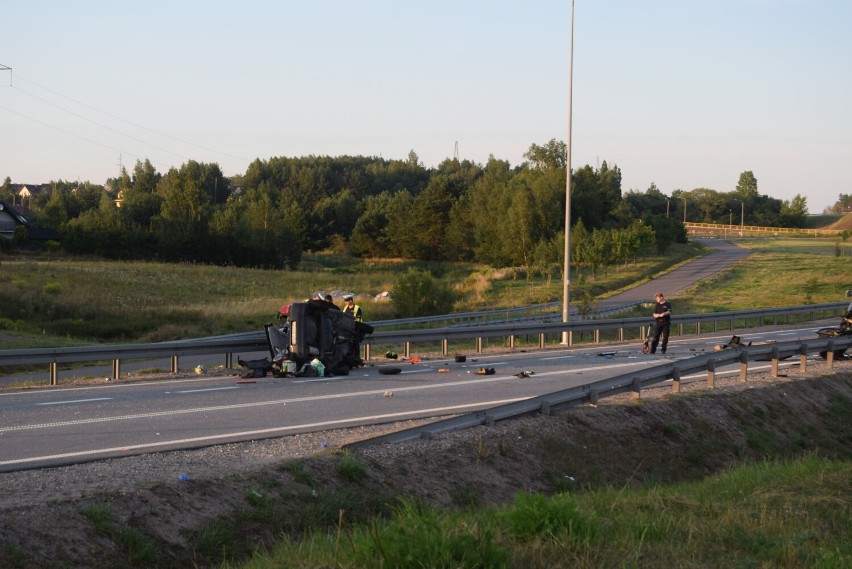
256	341
632	383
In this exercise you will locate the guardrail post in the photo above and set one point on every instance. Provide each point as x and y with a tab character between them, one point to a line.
621	334
743	366
116	369
229	359
541	340
366	356
803	359
829	355
675	380
545	408
597	336
174	364
445	347
774	357
479	345
698	328
636	389
593	396
406	349
711	374
53	373
512	341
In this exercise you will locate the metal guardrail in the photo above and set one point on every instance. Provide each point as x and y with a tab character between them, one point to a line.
632	382
465	316
542	329
694	228
256	341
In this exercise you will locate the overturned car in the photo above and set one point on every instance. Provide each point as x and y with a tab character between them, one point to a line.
315	338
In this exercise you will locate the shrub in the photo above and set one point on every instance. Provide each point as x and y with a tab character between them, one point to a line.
417	293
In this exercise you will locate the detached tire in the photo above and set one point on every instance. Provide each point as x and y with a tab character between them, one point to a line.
389	370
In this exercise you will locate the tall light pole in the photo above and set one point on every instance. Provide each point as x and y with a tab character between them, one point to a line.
566	297
684	209
742	215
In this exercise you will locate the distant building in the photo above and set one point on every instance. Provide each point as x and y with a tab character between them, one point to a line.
21	192
11	218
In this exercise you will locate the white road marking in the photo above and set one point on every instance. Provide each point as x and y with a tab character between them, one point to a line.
259	432
400	389
207	389
75	401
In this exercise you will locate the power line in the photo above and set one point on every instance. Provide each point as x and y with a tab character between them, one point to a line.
63	130
103	126
131	122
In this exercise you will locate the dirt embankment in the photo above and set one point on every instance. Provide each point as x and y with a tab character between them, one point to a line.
844	223
661	438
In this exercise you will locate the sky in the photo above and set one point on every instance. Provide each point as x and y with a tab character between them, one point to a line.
682	94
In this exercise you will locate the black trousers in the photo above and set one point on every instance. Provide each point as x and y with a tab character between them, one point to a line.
661	335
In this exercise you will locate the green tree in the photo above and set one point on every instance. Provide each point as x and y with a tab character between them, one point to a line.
747	185
139	201
794	212
370	234
182	222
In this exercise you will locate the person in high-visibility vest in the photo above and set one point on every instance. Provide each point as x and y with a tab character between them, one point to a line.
352	308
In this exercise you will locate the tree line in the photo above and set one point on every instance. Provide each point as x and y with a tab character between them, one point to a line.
373	207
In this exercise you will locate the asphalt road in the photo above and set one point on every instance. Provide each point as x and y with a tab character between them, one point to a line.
724	255
54	426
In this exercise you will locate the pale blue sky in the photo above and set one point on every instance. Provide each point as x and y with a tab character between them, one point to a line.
682	93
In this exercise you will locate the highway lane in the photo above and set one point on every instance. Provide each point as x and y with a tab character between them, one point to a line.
46	427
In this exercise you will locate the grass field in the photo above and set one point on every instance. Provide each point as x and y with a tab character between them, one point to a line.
46	301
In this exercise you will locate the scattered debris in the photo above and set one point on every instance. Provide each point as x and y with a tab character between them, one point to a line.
485	371
200	369
389	370
391	355
525	373
388	393
460	358
734	342
443	370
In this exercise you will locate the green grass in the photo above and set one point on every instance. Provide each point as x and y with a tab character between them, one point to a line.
787	514
61	302
138	547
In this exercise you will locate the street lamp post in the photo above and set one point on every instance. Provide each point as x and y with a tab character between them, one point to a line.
566	297
684	209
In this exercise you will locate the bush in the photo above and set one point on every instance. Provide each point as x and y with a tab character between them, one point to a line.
417	293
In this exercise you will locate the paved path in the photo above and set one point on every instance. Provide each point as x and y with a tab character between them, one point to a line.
724	255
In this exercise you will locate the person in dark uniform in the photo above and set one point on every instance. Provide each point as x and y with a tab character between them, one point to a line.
663	321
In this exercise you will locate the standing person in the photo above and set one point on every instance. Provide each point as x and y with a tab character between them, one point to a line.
663	319
352	308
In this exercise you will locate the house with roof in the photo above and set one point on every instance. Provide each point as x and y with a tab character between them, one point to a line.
26	192
11	218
